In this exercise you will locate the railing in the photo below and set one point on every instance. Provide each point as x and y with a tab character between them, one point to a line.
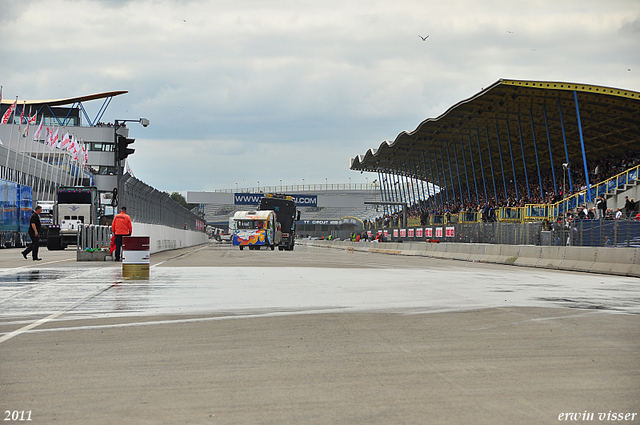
93	237
602	188
302	188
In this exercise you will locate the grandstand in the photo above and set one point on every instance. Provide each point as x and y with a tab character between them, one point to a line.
516	143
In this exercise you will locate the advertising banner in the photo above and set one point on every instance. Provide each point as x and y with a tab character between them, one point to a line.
410	233
403	233
451	232
254	199
428	232
438	232
419	233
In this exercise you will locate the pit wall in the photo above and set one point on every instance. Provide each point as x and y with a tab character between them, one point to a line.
615	261
164	238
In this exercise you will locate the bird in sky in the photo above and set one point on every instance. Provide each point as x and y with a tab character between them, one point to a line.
423	38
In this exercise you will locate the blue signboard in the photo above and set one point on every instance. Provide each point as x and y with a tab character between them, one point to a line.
305	200
247	198
254	199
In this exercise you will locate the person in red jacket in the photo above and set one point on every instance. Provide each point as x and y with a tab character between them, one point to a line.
121	226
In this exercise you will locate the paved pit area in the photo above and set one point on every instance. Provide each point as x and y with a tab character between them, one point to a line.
315	335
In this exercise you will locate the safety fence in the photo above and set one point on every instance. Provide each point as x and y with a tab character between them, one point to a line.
148	205
93	237
577	233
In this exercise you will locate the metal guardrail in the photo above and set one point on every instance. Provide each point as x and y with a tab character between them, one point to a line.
93	237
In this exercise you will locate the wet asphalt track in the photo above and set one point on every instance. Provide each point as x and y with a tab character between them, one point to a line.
211	286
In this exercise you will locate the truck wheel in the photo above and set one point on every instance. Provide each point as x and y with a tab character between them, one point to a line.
241	247
54	243
273	247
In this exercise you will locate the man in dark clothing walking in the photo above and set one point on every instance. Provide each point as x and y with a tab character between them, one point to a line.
34	234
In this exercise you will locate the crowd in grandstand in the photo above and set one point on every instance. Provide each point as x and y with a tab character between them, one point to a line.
601	169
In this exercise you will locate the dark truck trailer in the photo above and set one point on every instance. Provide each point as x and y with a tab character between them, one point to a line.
287	214
75	206
16	203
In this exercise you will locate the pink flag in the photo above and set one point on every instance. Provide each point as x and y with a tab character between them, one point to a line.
65	141
54	139
36	135
30	120
73	146
7	115
21	116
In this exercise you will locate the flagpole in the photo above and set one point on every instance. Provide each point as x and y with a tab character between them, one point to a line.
15	165
48	162
41	182
51	164
6	168
24	104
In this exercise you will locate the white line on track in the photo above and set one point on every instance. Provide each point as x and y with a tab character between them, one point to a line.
52	316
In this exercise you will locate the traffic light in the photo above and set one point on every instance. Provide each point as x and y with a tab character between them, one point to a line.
122	151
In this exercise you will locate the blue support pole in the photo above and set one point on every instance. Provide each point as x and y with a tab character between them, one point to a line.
553	170
414	185
408	184
416	178
429	189
473	167
484	182
455	154
434	181
390	197
513	164
444	175
584	154
382	194
466	174
535	149
493	176
421	188
524	161
504	180
566	151
453	185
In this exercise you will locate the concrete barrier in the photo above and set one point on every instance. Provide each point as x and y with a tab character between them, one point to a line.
551	257
164	238
618	261
579	258
529	256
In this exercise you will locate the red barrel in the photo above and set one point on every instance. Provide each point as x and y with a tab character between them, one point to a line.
135	256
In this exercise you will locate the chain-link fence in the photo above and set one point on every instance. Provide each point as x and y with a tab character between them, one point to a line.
148	205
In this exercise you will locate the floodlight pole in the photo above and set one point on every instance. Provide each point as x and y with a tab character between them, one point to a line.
116	161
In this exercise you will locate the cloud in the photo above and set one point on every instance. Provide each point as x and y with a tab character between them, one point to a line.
307	85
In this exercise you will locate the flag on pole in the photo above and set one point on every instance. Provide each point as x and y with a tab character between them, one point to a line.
21	116
7	115
54	139
128	168
65	141
30	120
36	135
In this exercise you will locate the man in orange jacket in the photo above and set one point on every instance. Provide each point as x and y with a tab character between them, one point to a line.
121	226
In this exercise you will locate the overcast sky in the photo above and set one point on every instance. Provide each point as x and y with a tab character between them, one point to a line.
247	90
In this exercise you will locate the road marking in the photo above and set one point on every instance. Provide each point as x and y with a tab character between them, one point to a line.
52	316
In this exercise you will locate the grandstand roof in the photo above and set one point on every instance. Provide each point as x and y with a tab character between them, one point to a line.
610	123
68	100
